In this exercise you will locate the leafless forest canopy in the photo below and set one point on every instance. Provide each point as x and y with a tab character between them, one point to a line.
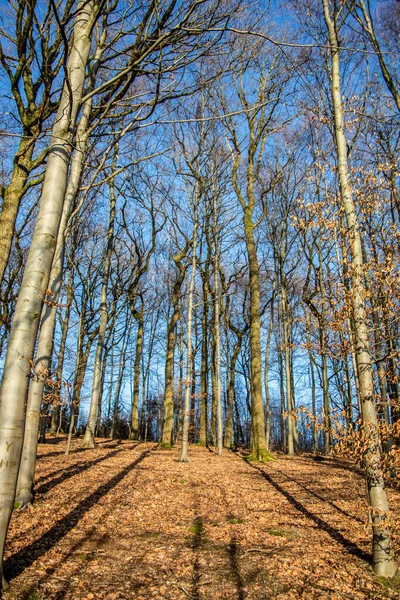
199	244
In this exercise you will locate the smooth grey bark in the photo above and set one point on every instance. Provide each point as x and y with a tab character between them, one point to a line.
281	379
213	420
220	440
82	357
204	353
168	425
313	391
122	365
139	317
88	440
109	401
108	345
229	435
146	367
181	391
266	375
186	408
48	321
218	355
192	425
61	354
17	367
382	553
320	316
288	376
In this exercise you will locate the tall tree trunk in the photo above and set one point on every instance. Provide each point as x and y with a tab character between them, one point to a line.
29	305
109	417
192	427
392	381
229	437
169	355
49	313
138	315
313	391
48	321
281	379
88	440
325	390
288	376
80	377
217	342
122	363
61	354
266	376
181	387
295	423
186	409
82	357
204	362
382	554
108	345
324	360
77	365
259	450
213	420
382	404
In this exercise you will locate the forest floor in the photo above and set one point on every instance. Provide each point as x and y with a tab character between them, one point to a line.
127	520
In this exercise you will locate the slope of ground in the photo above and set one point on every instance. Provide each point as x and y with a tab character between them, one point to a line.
127	520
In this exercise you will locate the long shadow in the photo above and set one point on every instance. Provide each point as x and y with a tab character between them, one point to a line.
72	471
64	469
34	591
350	546
76	450
335	506
331	463
197	542
53	441
41	456
232	549
25	557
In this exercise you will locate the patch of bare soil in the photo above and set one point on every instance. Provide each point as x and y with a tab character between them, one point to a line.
127	520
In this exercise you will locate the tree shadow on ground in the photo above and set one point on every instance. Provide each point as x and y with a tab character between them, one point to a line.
48	454
331	462
19	561
349	546
72	471
53	441
233	553
312	493
75	466
196	544
34	590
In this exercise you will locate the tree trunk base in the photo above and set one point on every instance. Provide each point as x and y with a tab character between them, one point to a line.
261	456
4	583
24	501
165	446
88	442
387	572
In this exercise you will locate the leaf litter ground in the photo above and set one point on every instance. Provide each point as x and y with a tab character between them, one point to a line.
127	520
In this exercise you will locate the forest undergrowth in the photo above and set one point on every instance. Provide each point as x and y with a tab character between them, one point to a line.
127	520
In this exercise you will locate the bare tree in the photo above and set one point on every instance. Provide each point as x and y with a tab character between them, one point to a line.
382	553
